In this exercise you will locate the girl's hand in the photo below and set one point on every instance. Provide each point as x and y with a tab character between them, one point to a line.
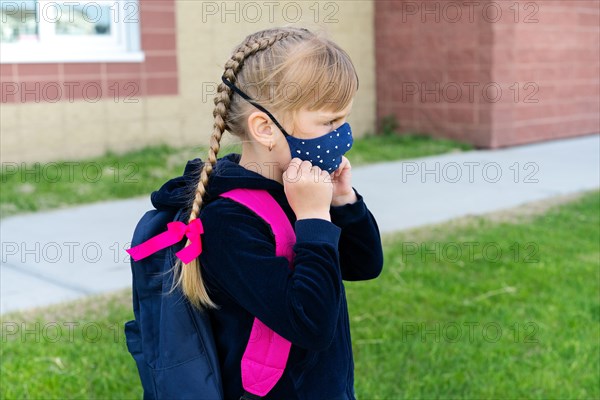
342	184
308	190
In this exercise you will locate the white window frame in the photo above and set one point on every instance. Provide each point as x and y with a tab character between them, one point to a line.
122	45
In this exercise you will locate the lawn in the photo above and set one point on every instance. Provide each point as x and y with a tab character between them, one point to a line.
43	186
516	317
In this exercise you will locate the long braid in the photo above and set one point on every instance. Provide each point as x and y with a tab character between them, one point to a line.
190	275
222	102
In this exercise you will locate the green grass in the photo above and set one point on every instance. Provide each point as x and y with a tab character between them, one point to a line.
43	186
79	352
543	297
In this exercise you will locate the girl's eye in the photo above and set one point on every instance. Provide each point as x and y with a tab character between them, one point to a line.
331	122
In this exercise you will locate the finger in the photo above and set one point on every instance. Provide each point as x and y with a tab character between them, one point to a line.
340	167
295	162
306	167
290	174
345	166
345	162
348	165
316	171
293	168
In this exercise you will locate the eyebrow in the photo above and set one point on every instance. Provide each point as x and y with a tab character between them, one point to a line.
334	117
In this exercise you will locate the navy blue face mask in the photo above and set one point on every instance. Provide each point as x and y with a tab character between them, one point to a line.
324	151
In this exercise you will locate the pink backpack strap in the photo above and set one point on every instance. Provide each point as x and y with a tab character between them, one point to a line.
266	354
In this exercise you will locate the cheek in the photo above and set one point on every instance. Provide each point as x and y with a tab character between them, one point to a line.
326	129
316	130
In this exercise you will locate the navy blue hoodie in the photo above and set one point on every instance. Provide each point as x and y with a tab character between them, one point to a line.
306	305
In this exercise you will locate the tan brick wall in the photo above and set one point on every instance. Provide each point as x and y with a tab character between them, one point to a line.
74	130
204	48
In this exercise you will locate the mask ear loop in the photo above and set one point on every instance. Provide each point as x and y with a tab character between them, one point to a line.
254	103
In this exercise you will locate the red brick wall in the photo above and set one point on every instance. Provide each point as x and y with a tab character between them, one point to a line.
560	56
488	72
157	75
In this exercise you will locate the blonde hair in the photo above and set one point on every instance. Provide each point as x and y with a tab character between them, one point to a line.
268	66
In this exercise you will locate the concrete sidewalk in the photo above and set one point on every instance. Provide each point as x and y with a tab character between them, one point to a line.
66	254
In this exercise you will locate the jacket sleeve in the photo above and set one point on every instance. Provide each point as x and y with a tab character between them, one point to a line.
302	304
361	252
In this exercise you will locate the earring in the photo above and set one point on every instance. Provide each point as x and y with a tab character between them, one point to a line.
270	146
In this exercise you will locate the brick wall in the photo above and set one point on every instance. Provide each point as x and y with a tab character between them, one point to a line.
53	82
186	44
116	111
490	73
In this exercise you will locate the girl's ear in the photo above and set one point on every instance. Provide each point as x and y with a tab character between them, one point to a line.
261	128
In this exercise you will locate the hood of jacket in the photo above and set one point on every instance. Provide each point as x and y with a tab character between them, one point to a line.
228	174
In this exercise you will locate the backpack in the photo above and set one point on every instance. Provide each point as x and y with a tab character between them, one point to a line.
172	342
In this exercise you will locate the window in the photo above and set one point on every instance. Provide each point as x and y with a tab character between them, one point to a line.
69	31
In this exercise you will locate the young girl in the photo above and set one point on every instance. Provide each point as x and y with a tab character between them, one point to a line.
286	93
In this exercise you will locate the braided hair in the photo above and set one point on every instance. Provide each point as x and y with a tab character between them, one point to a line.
262	58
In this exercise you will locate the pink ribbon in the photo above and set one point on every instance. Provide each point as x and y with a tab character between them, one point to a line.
174	233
